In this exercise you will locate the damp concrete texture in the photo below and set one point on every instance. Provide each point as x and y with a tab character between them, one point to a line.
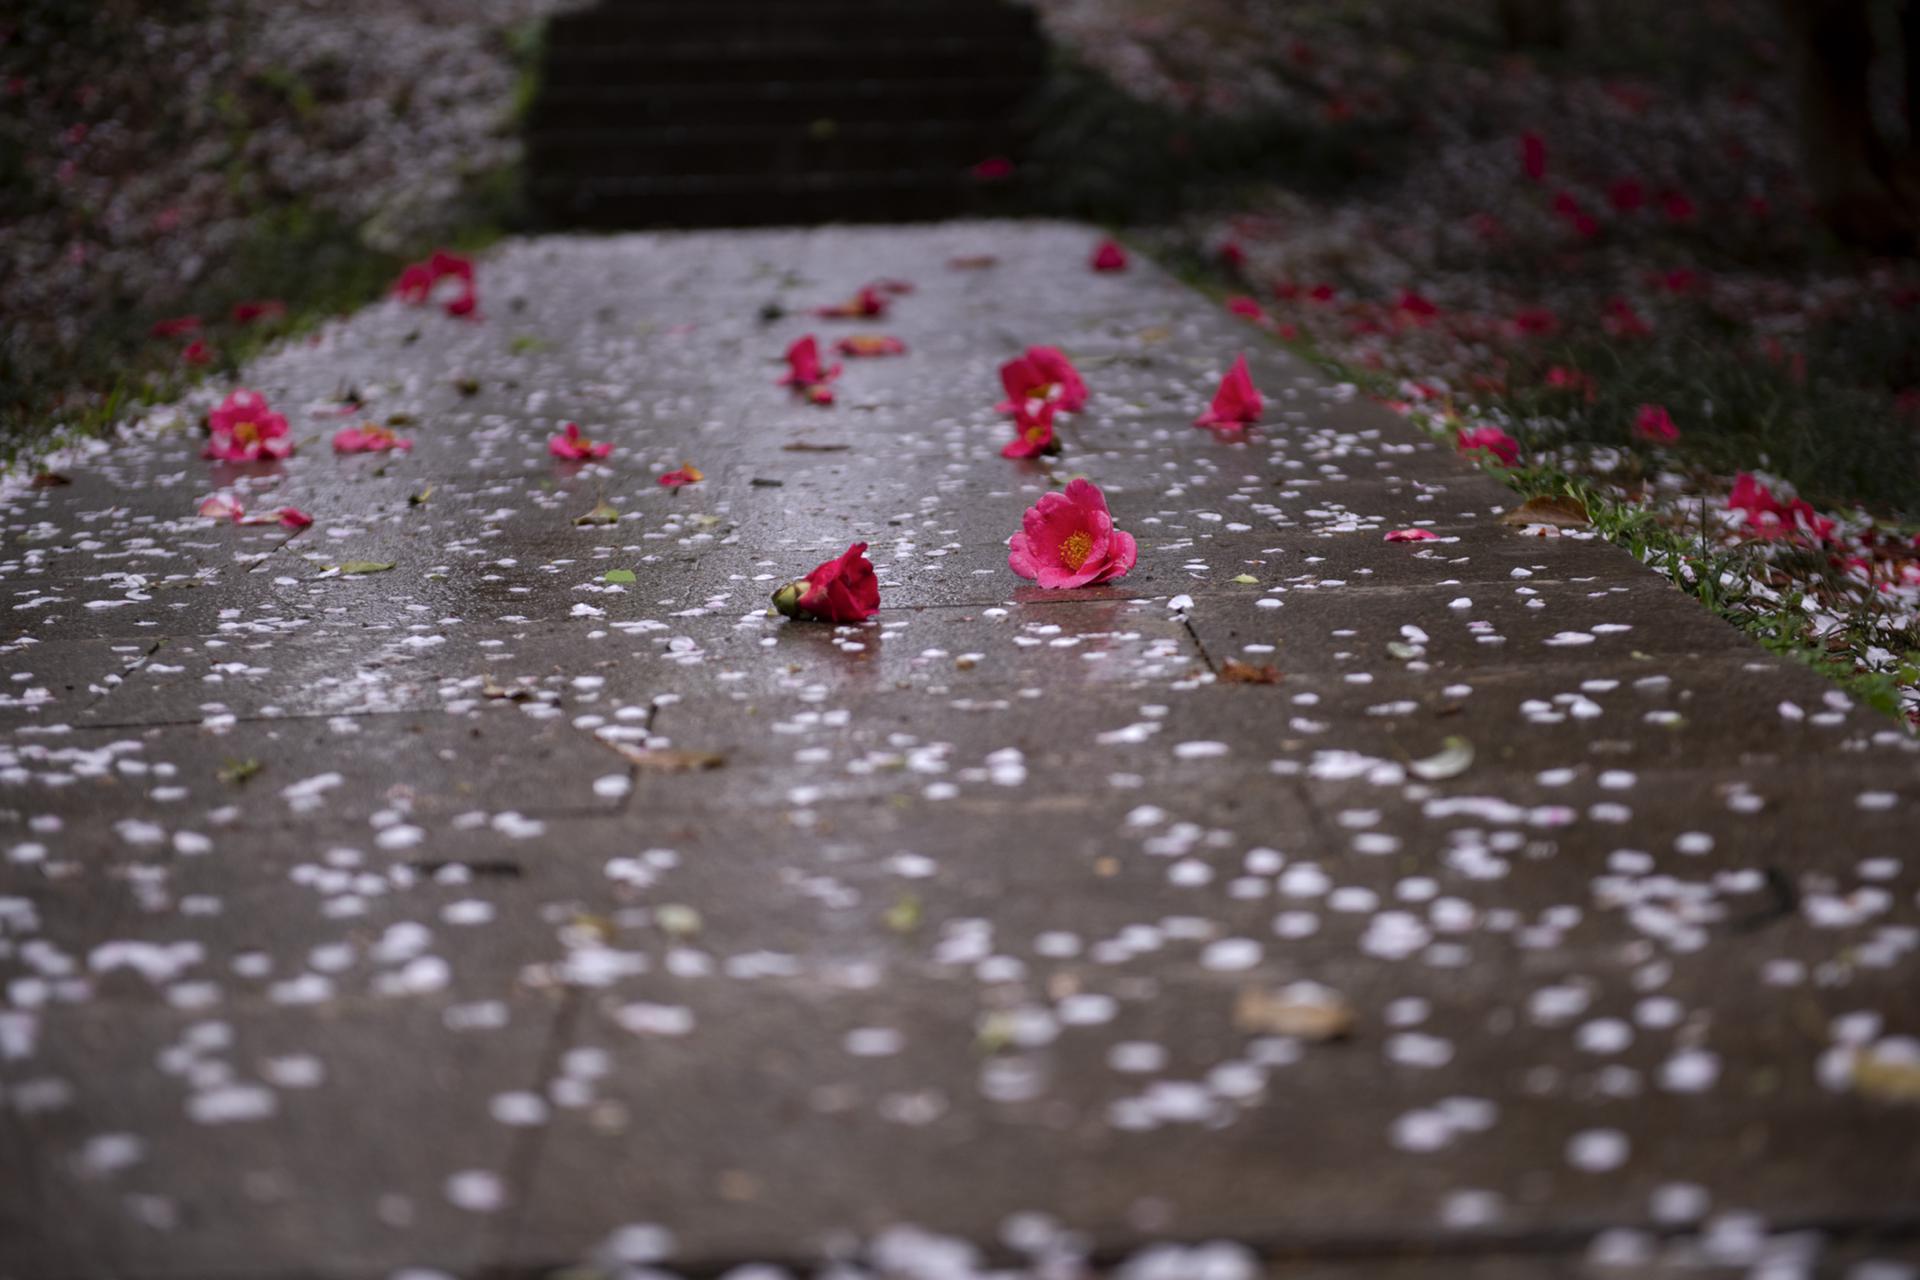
1530	921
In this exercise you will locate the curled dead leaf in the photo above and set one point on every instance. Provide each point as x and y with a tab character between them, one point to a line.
1234	671
1559	510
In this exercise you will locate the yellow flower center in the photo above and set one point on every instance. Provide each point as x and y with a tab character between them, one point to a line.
1075	549
246	432
1038	435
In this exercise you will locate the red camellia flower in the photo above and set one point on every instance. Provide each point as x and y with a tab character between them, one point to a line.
1538	321
1236	403
571	446
1767	517
1068	540
993	169
178	327
1043	373
841	590
1232	256
1416	306
1562	378
418	282
264	309
867	303
1033	427
686	475
867	345
1652	423
1627	195
293	517
1533	156
1490	441
1244	307
245	429
805	374
1321	293
368	437
1678	206
197	352
1621	321
1108	256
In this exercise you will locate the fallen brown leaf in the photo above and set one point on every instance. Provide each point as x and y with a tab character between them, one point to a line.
1305	1009
50	480
666	761
1234	671
1885	1078
1560	511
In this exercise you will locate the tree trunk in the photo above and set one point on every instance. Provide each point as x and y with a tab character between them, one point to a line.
1849	168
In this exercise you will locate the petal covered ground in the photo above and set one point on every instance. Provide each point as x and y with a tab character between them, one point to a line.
483	876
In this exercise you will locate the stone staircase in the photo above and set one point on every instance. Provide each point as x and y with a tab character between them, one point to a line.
661	113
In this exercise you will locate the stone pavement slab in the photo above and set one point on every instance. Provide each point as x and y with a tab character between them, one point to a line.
538	898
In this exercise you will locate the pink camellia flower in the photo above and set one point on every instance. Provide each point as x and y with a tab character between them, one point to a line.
244	429
1108	256
867	345
840	590
1043	373
1033	427
574	447
805	374
1236	403
1533	156
993	169
221	506
368	437
686	475
197	353
1068	540
1411	535
264	309
1244	307
868	303
1652	423
1491	441
294	517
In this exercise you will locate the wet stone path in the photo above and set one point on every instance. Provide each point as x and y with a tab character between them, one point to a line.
1531	923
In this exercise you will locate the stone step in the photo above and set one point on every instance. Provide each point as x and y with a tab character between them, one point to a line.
960	98
791	148
767	19
754	199
795	61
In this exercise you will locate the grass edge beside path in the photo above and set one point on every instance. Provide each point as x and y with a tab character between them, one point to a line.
1722	578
